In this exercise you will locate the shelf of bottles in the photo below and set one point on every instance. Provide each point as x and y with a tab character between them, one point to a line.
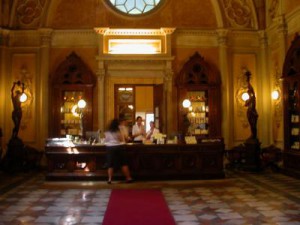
71	114
197	114
294	114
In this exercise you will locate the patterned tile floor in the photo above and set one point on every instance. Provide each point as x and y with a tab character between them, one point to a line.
240	198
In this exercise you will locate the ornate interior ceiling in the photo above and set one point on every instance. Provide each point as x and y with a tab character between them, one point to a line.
78	14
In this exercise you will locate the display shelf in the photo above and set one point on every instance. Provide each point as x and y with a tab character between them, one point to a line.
71	114
198	113
291	101
72	81
199	83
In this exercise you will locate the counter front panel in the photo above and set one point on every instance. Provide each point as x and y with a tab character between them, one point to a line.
168	161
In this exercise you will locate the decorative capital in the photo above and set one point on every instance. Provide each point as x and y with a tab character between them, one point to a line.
222	36
168	30
4	37
100	74
263	37
101	30
45	36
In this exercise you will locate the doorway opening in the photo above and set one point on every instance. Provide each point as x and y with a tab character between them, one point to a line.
137	100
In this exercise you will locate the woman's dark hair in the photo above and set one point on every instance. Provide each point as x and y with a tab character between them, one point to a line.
114	125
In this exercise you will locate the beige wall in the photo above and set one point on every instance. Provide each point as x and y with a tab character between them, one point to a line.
197	29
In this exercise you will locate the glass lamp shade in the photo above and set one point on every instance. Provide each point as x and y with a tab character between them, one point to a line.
23	98
186	103
245	96
275	95
81	103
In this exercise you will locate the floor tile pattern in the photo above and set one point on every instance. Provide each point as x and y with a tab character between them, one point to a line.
241	198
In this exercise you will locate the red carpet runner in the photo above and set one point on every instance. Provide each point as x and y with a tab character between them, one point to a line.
137	207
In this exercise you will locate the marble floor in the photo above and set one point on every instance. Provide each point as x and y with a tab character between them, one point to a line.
240	198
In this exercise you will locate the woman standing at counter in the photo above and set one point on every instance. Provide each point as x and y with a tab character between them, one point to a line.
115	153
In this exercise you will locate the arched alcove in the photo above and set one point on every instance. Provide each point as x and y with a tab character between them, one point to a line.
71	81
200	83
291	101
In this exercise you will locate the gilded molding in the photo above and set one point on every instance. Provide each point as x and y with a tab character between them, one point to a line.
70	38
134	32
24	38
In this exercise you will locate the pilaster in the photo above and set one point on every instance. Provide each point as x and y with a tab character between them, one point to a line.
42	93
101	93
264	87
168	81
4	57
227	94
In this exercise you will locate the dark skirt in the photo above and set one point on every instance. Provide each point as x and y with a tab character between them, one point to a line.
116	157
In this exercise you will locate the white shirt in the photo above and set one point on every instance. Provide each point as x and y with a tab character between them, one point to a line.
150	133
136	130
113	138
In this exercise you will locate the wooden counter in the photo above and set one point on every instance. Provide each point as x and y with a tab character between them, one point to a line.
168	161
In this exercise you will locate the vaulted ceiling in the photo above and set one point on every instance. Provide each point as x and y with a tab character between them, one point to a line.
79	14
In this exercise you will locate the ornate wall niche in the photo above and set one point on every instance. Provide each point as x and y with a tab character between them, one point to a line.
71	81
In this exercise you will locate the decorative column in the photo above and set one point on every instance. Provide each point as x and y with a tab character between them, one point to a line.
167	103
101	93
168	82
101	77
42	93
4	89
265	91
226	90
282	35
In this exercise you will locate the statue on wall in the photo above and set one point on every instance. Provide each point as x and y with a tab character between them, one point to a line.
17	110
252	114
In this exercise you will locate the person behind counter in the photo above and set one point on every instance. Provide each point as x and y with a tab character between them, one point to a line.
115	153
151	131
138	131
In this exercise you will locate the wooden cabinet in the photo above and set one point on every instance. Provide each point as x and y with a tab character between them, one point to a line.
200	83
71	82
291	91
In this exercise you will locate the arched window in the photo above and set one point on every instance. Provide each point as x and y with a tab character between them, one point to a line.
134	7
